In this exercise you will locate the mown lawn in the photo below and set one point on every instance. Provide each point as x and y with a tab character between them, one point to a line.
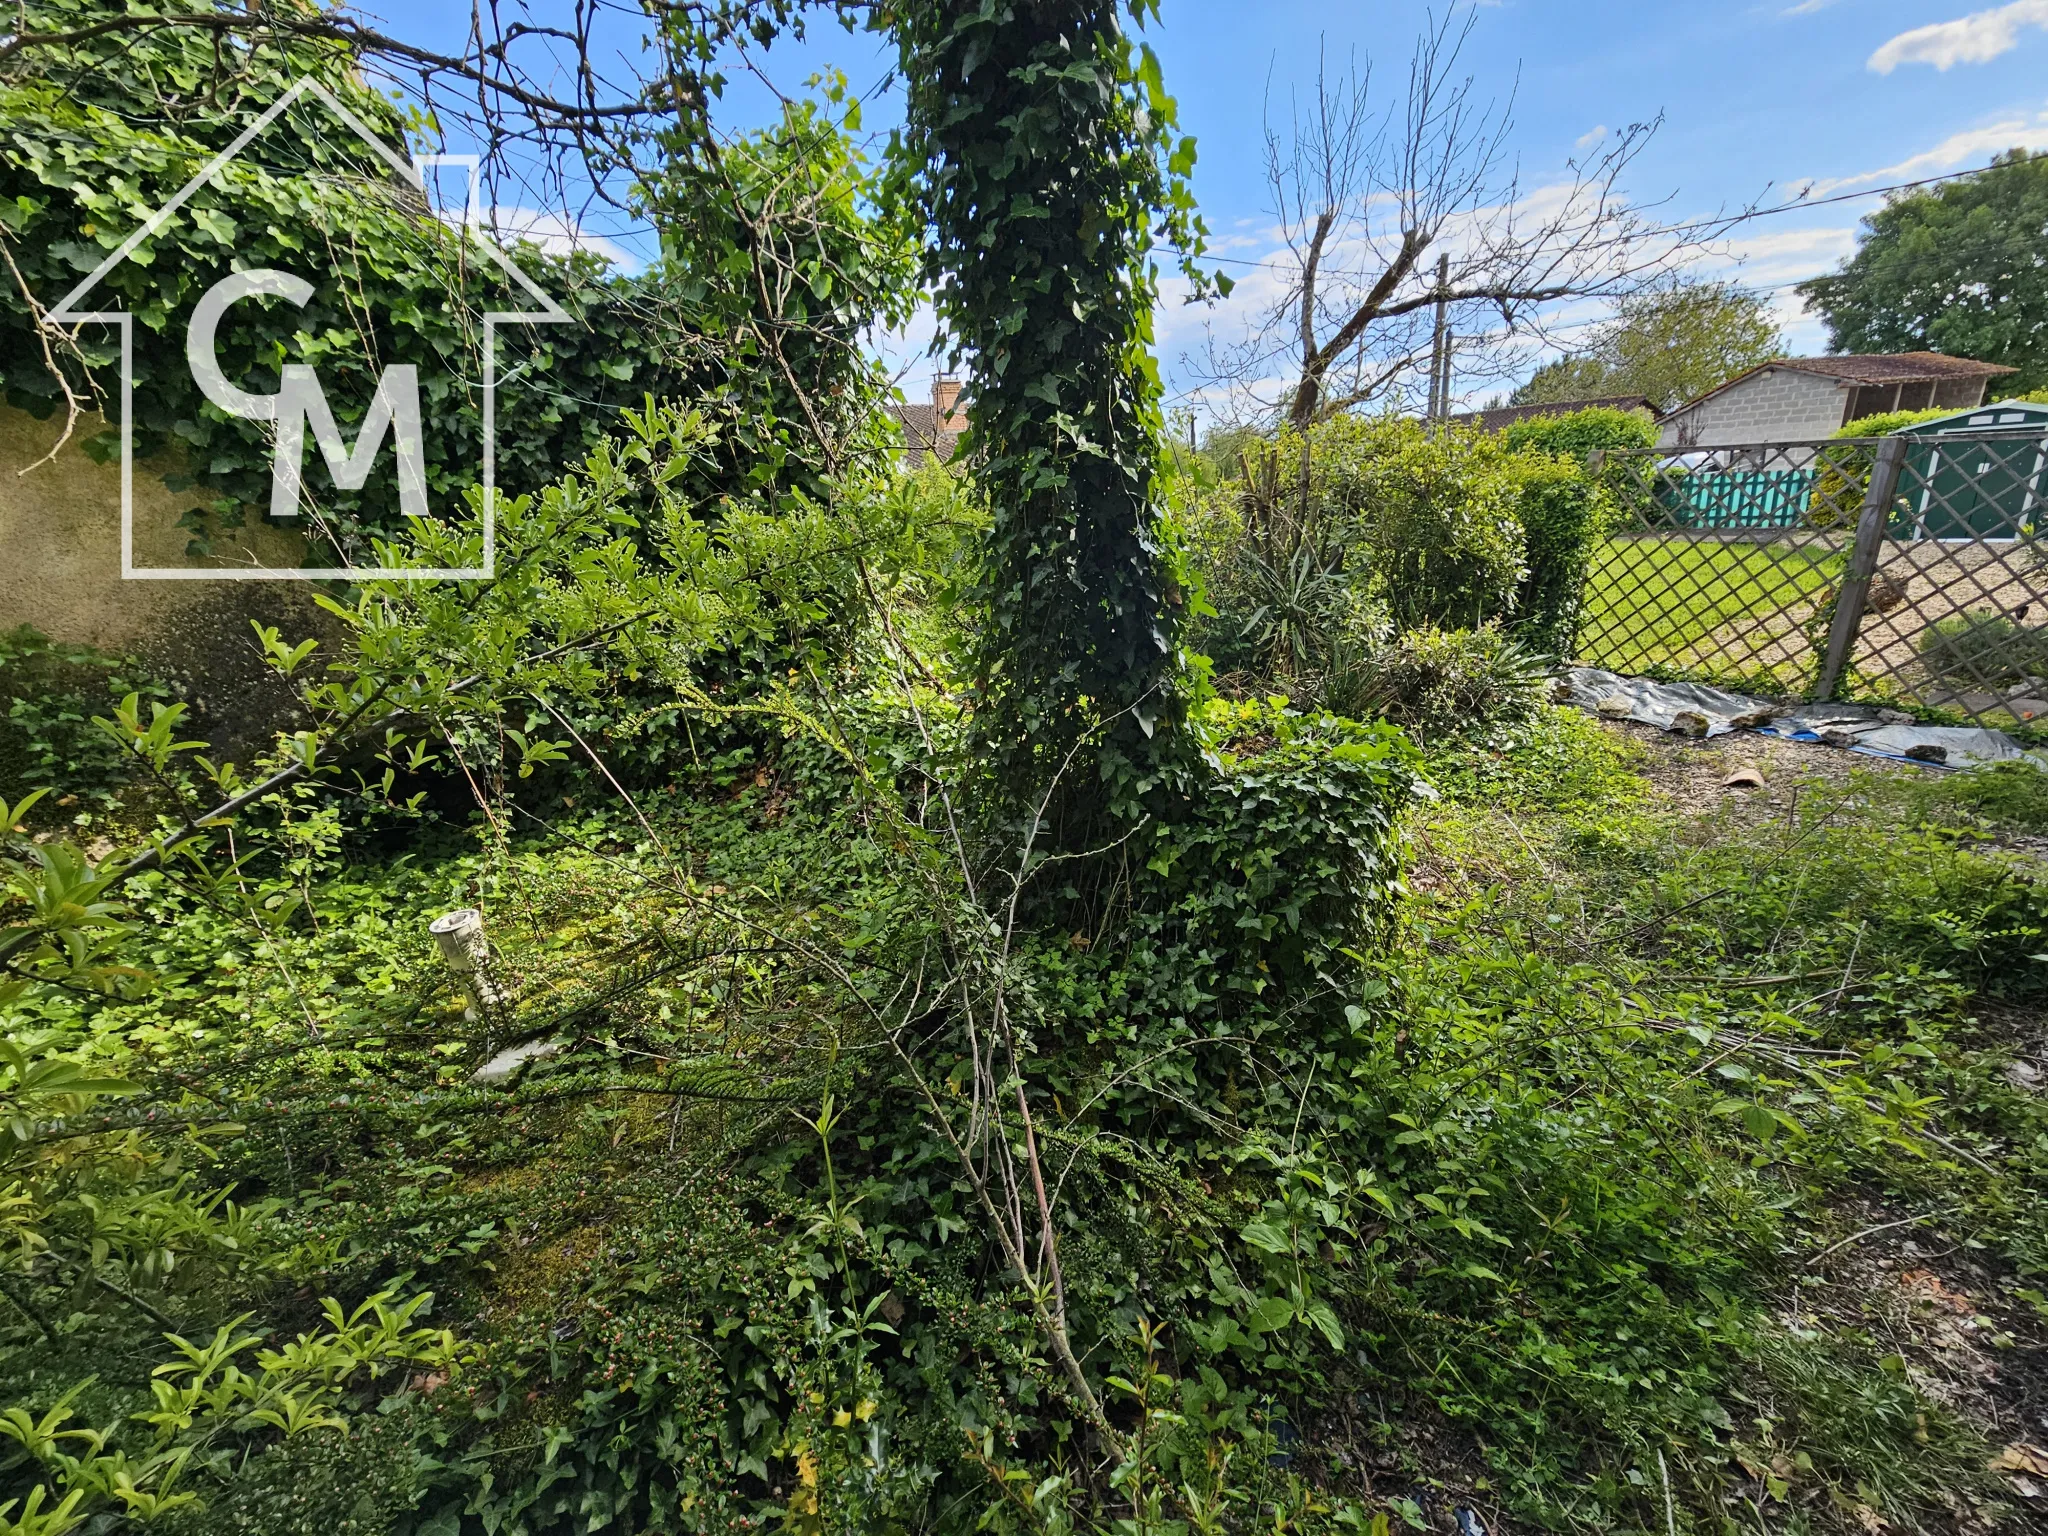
1731	609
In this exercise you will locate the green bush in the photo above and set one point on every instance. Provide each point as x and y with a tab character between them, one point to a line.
1575	434
1436	683
49	694
2012	794
1433	517
1983	646
1885	423
1287	856
1562	513
1838	488
1391	526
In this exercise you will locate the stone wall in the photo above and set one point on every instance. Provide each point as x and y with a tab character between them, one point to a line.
60	528
1774	405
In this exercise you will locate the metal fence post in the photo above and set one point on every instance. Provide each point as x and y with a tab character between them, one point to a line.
1871	523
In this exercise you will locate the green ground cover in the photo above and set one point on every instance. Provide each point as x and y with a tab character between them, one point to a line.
1574	1223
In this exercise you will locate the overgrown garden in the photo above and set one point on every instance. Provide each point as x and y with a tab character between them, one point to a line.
1086	989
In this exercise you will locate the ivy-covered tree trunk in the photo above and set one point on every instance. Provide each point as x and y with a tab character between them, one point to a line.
1034	141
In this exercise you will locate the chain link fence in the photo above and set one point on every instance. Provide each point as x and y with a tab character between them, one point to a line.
1897	570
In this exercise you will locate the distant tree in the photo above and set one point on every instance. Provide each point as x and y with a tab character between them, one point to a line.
1961	268
1668	342
1562	379
1393	205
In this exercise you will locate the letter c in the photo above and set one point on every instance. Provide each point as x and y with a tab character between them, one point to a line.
199	353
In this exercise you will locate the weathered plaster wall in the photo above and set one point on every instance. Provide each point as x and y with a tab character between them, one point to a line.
60	571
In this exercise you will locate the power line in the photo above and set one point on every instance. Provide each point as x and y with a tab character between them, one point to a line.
1795	206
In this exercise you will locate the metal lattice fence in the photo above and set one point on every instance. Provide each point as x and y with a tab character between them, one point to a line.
1895	570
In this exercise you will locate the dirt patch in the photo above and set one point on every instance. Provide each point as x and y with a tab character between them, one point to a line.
1692	775
1953	1318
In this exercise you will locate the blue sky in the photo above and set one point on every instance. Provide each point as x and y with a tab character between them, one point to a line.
1756	101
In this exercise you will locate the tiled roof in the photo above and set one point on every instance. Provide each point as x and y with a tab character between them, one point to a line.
1508	415
1866	368
923	434
1892	367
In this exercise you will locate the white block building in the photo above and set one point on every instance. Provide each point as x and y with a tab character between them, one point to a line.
1796	398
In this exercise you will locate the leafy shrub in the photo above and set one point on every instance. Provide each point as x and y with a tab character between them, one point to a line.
1843	476
1433	518
328	1482
1437	683
1562	514
1885	423
2013	794
1574	437
1839	487
404	284
1575	434
1984	646
1295	610
49	694
1385	525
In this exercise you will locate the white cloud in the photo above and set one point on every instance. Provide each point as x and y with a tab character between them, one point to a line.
557	234
1588	139
2019	131
905	352
1974	39
1788	255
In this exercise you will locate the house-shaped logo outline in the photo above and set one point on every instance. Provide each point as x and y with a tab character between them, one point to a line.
548	312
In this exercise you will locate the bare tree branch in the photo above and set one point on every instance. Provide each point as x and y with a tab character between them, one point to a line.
1371	193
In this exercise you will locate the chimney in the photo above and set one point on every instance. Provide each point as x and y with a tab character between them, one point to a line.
946	403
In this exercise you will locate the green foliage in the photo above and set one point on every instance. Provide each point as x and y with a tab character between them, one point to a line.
213	1423
395	285
1435	684
1574	435
1563	522
1385	526
1563	513
1843	477
1433	516
1984	647
1953	268
50	693
1669	343
1040	147
1884	423
1283	862
1672	961
2011	794
1515	1133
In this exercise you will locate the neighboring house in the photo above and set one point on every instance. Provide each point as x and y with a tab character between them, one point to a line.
934	428
1508	415
1796	398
